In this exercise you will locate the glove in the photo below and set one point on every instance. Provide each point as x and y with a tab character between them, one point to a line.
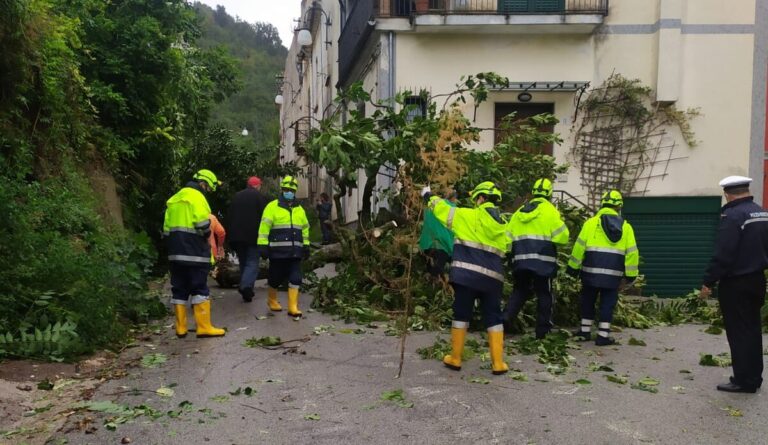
426	191
572	272
305	253
264	252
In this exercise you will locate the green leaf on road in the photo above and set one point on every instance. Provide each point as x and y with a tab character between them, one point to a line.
153	360
396	396
45	385
323	328
647	384
620	379
165	391
519	376
648	381
733	412
723	360
481	380
582	382
312	417
220	399
262	342
636	342
597	366
248	391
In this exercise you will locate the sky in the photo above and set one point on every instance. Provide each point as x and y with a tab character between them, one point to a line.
279	13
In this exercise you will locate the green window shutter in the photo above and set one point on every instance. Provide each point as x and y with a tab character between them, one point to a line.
548	6
676	237
513	6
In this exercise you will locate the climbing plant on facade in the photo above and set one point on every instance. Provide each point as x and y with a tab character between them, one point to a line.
622	137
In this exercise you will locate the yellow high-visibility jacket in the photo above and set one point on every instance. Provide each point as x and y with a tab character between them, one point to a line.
187	227
480	242
536	228
605	250
284	229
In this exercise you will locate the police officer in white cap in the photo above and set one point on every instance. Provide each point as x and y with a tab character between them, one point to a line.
738	265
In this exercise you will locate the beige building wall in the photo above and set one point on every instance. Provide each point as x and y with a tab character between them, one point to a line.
712	71
694	53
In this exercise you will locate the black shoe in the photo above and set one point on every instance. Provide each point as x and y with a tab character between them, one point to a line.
247	295
541	335
733	387
605	341
582	336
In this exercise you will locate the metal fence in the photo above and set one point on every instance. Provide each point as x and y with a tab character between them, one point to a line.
407	8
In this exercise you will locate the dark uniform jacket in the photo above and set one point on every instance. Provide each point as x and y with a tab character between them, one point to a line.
244	216
741	246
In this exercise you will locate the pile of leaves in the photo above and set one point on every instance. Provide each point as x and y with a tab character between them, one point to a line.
551	351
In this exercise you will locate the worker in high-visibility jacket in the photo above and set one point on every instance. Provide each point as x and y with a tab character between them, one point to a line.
187	228
284	239
480	242
537	228
603	254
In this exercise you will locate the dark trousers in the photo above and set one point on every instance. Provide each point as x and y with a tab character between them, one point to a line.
608	300
526	284
248	257
189	281
325	228
464	302
281	270
740	301
436	261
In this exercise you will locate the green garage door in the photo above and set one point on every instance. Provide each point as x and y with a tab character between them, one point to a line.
675	236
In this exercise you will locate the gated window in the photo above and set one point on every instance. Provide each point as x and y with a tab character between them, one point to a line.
418	107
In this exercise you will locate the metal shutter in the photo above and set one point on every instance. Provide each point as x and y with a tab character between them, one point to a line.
675	236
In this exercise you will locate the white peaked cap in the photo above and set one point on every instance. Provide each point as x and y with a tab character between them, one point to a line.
735	181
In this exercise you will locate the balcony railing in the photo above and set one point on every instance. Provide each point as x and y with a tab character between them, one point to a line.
407	8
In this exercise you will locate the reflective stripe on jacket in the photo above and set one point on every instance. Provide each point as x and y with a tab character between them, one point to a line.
480	242
285	229
536	227
187	227
605	250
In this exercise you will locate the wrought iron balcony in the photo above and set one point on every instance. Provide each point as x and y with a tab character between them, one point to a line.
407	8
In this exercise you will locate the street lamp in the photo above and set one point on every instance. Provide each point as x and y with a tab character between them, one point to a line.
279	83
304	36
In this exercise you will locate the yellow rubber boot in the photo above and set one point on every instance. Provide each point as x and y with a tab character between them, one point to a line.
203	320
496	345
293	302
458	334
181	319
272	300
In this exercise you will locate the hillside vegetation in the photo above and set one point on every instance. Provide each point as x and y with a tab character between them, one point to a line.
105	109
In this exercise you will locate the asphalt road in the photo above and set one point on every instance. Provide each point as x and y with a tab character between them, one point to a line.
329	391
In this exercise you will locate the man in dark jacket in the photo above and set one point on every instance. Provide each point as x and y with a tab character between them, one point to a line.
738	264
244	218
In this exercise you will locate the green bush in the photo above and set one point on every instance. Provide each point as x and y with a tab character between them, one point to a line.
66	279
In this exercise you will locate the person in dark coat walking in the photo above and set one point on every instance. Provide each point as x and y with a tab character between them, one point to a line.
244	218
738	265
324	209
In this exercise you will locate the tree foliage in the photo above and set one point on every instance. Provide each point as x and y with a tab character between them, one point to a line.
87	86
384	275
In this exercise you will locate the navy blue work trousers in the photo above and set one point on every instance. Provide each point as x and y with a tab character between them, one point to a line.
282	270
464	302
